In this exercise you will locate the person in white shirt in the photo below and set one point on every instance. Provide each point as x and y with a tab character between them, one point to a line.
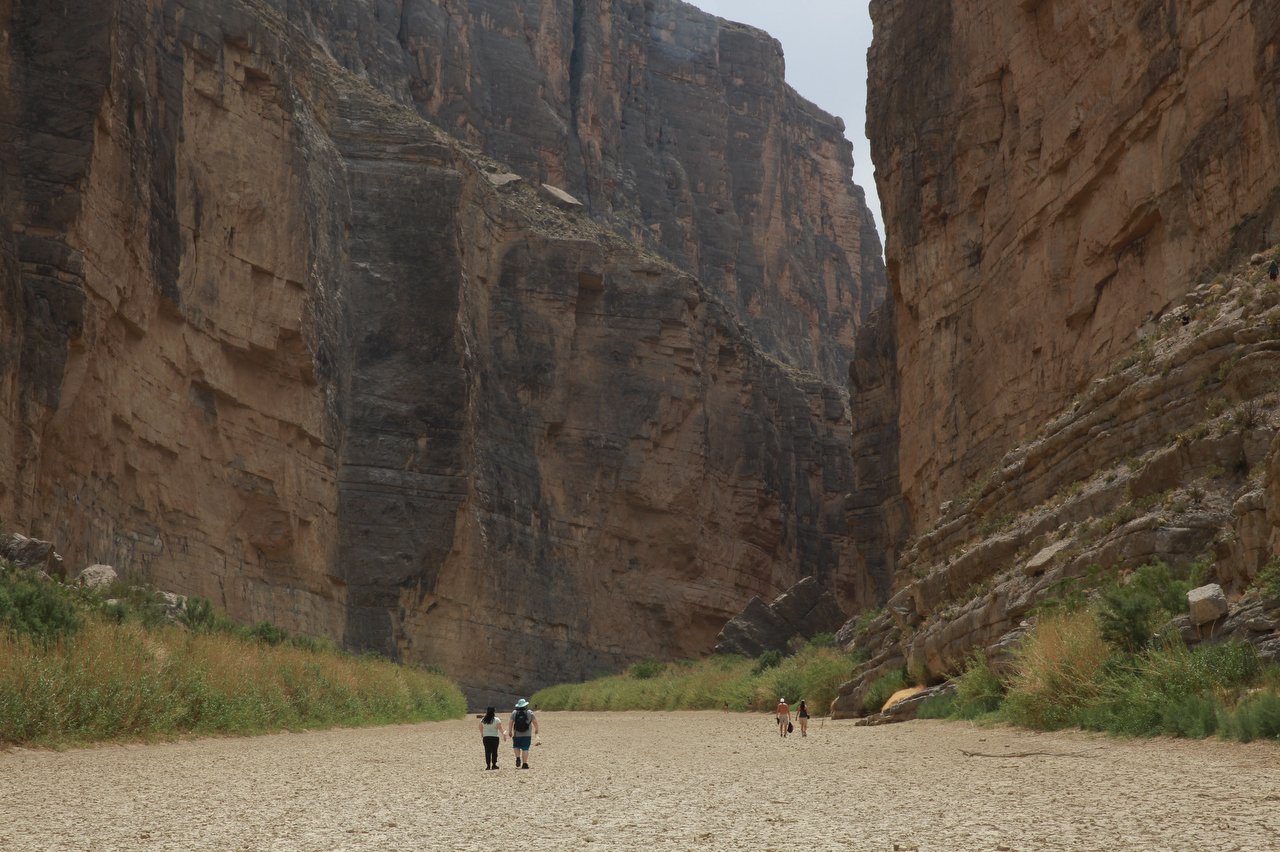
491	731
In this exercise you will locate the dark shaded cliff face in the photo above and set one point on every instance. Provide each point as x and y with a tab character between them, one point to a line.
1054	177
274	340
673	127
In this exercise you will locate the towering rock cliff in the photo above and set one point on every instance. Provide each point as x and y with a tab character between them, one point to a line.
272	338
1055	175
672	126
1082	204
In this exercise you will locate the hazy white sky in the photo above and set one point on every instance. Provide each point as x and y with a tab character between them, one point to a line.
826	43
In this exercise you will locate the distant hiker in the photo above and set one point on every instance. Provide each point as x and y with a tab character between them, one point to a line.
523	726
491	731
1274	271
783	713
803	715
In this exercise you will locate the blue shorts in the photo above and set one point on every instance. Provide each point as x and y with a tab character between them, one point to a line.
521	743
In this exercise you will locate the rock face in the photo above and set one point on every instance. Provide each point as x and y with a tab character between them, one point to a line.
270	338
671	125
1174	455
805	610
1054	175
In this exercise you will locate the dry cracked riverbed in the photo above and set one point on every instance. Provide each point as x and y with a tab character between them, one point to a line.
649	780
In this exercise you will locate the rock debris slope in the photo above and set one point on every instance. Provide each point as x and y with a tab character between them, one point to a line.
272	338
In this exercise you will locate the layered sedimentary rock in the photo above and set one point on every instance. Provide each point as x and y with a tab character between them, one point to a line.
804	610
673	126
272	339
1172	456
1054	175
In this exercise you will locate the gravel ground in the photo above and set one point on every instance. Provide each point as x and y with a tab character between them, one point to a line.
649	780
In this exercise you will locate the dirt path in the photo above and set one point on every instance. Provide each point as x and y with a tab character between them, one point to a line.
645	780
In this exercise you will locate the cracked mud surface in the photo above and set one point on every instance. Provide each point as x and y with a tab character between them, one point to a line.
646	780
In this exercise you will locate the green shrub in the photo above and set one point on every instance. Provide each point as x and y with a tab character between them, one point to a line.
863	622
766	661
939	707
1194	716
1170	691
1067	595
1257	716
1130	613
978	690
823	640
36	607
882	688
647	668
198	615
714	683
1268	579
266	633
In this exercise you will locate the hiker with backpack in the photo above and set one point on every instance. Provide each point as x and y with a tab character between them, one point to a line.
524	724
490	731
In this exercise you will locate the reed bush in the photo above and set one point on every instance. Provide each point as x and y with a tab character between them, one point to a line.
125	681
714	683
1255	717
1057	670
35	607
979	691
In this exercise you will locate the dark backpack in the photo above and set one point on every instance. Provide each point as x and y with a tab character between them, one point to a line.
520	720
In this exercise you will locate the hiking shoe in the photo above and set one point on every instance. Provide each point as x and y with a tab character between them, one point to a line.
526	765
517	763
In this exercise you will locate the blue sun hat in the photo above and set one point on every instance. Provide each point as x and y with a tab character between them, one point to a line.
521	703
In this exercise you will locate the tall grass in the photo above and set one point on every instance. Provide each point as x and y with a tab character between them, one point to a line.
716	683
124	681
1057	670
1104	667
78	667
1068	675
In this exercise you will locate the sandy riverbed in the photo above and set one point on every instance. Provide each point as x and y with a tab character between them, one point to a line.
646	780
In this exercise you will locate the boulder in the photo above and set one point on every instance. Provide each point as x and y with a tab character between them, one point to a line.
906	708
31	553
1042	560
752	632
561	198
97	577
501	179
806	609
174	604
1206	604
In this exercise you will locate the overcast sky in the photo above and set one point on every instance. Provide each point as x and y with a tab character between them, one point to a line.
826	43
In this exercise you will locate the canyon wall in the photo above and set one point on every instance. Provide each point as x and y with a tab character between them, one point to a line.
1054	176
1082	204
672	126
274	339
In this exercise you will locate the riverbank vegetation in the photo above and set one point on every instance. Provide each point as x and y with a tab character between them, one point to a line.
78	667
814	673
1113	662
